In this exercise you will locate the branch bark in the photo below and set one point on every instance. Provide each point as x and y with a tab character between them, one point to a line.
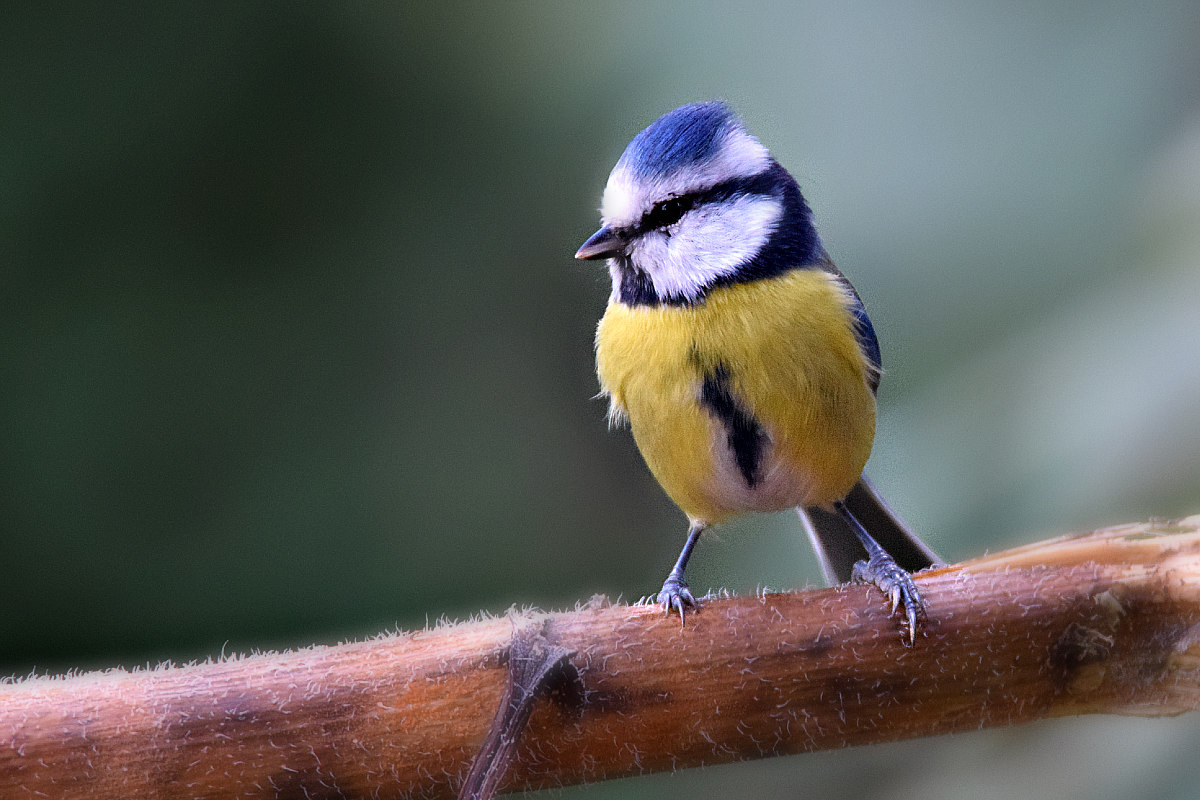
1107	622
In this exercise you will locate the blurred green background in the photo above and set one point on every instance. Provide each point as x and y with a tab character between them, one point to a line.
293	348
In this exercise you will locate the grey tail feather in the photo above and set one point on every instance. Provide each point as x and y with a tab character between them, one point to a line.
838	548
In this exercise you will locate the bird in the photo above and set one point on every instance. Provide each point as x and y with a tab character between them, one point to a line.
742	359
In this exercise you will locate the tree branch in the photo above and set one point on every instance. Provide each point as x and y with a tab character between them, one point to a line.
1101	623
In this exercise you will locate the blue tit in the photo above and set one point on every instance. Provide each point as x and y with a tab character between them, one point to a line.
743	360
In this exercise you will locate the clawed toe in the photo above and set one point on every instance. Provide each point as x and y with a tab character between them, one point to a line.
675	596
898	586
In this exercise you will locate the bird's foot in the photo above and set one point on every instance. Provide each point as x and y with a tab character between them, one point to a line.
675	596
896	584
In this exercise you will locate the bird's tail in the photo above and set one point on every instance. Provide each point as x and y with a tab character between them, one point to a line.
838	547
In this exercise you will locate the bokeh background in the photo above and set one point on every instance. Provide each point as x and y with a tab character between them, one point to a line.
293	348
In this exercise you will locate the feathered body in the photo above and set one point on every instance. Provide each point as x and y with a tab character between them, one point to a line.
785	354
743	359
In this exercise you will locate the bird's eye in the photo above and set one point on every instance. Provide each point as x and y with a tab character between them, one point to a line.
667	212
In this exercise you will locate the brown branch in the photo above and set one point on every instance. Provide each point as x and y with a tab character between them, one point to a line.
1102	623
533	663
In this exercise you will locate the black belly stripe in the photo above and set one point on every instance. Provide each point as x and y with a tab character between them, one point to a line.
747	438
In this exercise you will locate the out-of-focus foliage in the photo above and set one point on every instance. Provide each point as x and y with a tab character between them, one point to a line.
293	348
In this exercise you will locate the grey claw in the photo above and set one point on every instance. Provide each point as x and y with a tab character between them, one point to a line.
675	596
898	586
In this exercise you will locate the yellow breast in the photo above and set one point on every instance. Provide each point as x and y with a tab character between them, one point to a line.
788	355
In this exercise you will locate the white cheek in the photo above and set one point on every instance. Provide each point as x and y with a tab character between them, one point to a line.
709	243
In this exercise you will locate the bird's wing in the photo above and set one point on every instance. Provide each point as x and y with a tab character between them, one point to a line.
864	331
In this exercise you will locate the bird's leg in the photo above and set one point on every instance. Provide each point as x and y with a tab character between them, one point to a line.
675	593
882	570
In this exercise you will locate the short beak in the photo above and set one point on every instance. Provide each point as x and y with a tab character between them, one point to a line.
604	243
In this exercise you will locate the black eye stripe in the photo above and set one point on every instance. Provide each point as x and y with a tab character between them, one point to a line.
669	211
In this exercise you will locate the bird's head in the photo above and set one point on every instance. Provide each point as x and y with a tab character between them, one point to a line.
695	202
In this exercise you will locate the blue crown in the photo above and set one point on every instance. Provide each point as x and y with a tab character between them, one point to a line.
688	135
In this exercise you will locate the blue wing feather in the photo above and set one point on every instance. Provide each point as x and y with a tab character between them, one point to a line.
864	332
